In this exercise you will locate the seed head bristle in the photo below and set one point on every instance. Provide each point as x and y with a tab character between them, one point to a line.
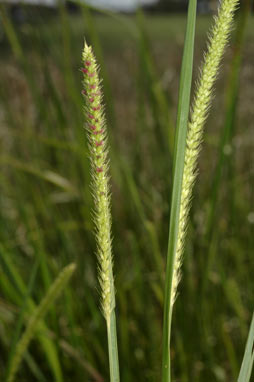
217	41
97	138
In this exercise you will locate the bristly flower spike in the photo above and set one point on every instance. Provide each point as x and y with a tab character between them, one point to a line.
96	132
98	155
217	42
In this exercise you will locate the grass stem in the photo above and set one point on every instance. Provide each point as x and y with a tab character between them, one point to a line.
179	152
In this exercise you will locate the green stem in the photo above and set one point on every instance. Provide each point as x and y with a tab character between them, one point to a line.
179	153
166	363
112	348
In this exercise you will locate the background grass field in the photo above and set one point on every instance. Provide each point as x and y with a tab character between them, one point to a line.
46	206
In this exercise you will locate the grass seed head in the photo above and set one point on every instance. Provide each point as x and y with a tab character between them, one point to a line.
96	132
203	96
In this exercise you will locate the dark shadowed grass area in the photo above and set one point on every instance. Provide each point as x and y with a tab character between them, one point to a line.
45	202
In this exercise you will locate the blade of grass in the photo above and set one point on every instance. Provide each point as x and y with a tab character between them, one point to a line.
20	56
77	356
229	349
73	91
34	368
139	208
54	291
46	175
247	364
21	317
18	290
178	166
159	103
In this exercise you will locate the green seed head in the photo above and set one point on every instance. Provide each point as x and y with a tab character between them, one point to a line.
96	132
217	42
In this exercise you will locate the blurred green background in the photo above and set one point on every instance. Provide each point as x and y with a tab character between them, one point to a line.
46	205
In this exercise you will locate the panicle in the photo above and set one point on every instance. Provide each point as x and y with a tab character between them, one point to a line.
217	41
98	151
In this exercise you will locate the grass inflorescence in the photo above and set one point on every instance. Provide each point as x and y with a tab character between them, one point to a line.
46	199
217	41
96	132
96	128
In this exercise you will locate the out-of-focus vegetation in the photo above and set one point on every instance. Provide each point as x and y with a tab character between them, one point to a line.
45	201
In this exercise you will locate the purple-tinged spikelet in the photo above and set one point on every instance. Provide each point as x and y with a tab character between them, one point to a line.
96	132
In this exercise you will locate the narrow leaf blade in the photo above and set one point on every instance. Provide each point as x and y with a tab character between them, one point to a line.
247	364
179	151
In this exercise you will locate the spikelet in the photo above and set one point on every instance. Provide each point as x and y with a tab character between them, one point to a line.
216	46
96	131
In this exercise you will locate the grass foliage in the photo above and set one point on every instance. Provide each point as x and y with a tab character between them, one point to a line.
34	320
46	202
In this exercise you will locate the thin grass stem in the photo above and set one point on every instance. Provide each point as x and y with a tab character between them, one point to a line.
179	152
